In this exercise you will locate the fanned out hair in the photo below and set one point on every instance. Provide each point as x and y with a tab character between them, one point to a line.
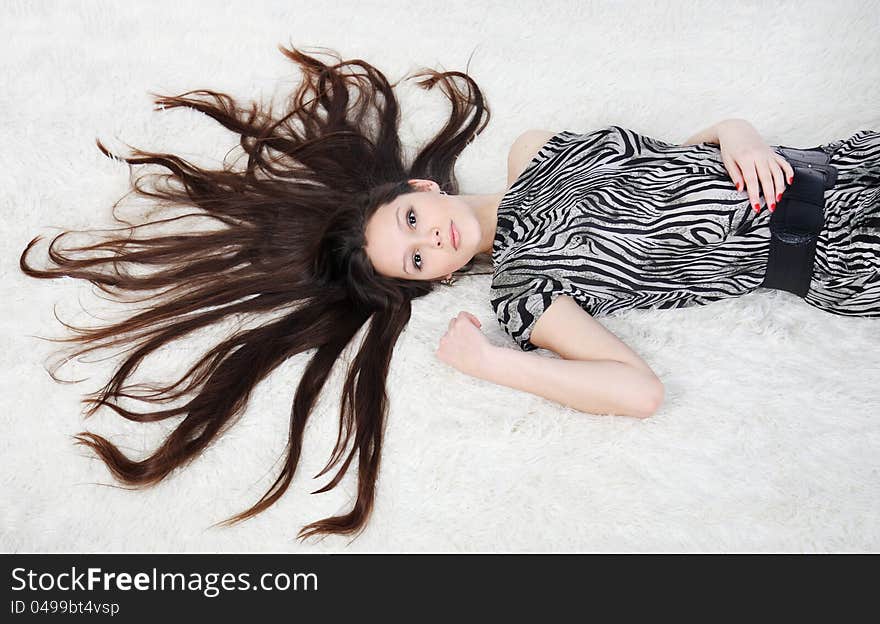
289	238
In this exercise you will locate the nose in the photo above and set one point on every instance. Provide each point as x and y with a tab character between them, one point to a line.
437	238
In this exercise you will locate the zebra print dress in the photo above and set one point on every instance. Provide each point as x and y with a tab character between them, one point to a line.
618	220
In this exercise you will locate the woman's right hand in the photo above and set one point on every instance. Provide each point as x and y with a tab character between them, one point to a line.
464	346
752	164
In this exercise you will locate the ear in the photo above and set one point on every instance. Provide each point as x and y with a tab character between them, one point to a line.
424	185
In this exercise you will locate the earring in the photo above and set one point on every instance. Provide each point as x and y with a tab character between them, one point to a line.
448	282
443	192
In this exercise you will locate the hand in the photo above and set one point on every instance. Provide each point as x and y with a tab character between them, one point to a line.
749	159
464	346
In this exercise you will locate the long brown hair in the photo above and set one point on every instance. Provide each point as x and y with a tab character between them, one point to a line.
291	239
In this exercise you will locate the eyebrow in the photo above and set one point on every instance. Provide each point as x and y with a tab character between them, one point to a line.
397	218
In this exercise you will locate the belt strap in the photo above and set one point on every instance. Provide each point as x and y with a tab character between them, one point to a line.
798	219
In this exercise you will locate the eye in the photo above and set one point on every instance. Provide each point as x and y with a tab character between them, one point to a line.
418	264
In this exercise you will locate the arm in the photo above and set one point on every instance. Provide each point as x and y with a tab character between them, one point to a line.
707	135
591	386
598	374
750	162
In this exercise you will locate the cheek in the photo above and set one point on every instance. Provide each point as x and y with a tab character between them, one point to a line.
469	231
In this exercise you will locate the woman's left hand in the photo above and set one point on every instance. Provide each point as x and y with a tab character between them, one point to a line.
464	346
752	164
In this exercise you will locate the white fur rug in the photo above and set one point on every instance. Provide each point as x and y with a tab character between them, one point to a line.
769	437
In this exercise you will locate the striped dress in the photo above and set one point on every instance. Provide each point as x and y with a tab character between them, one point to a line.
618	220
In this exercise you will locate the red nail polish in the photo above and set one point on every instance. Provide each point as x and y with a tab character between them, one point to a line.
790	180
772	207
778	197
757	207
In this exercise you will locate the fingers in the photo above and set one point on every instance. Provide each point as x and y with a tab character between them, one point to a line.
787	169
778	171
751	177
778	183
473	319
768	186
771	179
733	171
466	315
745	179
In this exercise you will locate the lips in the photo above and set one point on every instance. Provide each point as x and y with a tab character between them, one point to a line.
452	235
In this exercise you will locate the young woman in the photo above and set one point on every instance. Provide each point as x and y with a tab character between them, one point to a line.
330	230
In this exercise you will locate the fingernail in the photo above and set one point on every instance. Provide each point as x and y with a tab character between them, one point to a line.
778	197
791	179
737	186
772	207
757	207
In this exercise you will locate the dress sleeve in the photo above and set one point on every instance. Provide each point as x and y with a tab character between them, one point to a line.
519	304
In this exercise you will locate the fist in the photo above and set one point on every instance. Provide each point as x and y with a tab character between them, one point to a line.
464	346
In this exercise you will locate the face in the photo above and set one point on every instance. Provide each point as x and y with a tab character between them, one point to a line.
410	237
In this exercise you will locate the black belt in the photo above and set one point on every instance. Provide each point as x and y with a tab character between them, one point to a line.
797	220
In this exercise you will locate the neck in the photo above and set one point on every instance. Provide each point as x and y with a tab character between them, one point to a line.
486	208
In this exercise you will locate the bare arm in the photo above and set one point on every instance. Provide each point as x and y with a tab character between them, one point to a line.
707	135
599	373
591	386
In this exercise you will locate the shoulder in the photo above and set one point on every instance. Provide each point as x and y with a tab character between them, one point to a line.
524	148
